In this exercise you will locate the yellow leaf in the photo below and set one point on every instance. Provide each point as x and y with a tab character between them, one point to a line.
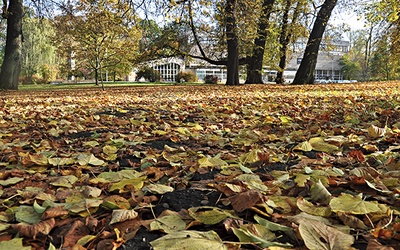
189	240
168	224
310	208
347	203
121	215
376	132
318	144
317	235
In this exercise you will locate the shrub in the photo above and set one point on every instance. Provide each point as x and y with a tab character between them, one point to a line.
187	76
35	79
211	79
149	74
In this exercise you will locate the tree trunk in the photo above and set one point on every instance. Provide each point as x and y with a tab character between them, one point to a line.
255	65
232	64
284	40
305	73
11	66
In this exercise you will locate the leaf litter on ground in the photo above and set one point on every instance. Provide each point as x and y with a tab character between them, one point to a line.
201	167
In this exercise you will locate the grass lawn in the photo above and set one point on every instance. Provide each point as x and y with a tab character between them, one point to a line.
87	85
254	166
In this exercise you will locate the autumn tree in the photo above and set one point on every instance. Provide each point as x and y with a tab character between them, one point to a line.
289	31
103	36
12	11
38	51
305	73
255	61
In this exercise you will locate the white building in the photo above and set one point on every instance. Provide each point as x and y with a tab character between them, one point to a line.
167	67
328	65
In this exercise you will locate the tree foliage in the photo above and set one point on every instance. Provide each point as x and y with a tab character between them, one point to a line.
38	51
101	35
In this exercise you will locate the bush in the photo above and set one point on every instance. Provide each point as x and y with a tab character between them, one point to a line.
149	74
35	79
211	79
187	76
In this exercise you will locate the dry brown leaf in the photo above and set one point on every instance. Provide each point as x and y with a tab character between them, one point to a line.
245	200
54	212
40	228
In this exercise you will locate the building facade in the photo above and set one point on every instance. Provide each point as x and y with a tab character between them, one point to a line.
328	65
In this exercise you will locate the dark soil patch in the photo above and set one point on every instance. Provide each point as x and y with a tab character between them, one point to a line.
160	144
187	198
142	240
175	201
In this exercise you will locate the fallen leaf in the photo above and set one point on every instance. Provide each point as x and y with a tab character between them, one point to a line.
89	159
347	203
188	239
318	236
121	215
40	228
245	200
209	215
318	144
15	243
309	208
168	223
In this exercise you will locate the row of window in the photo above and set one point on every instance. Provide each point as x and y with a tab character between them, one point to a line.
168	71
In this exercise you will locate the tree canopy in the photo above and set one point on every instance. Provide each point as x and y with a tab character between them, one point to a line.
231	33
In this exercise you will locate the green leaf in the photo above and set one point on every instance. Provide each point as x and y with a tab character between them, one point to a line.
91	144
301	179
258	234
320	193
85	239
212	162
109	149
10	181
84	205
15	243
275	227
250	157
310	208
318	236
27	214
137	183
65	181
318	144
168	224
193	240
39	209
89	159
116	202
51	247
209	215
353	204
304	146
57	161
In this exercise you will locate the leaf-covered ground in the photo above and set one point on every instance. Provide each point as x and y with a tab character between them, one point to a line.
247	167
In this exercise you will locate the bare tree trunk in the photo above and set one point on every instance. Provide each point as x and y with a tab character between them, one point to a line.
11	66
255	65
232	65
305	73
285	37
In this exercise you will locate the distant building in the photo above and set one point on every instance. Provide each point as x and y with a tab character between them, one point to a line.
328	65
167	67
